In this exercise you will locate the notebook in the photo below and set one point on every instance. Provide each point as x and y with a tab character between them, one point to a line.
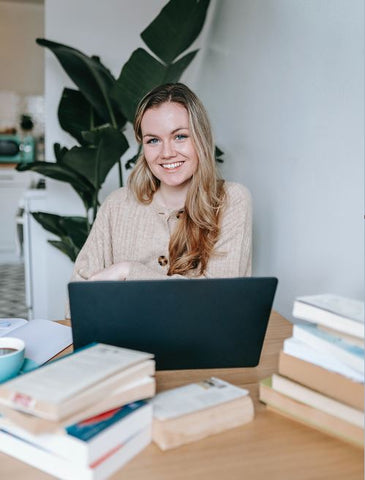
185	323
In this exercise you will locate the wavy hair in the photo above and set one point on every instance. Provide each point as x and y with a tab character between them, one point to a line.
192	242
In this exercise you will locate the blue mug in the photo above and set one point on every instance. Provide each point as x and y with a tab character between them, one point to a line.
11	357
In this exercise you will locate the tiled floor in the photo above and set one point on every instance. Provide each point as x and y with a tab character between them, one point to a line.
12	290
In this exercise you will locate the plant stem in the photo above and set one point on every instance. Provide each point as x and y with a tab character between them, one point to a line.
120	173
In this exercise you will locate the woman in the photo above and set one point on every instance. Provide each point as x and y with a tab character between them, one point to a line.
175	218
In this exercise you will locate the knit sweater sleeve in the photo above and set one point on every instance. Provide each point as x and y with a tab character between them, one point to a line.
96	254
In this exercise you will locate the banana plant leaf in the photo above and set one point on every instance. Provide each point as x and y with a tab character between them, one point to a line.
95	162
59	151
92	78
72	231
175	28
76	114
58	171
141	73
66	247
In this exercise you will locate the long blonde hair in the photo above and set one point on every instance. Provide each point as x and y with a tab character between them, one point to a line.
192	242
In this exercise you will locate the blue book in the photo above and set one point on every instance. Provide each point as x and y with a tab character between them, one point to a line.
89	428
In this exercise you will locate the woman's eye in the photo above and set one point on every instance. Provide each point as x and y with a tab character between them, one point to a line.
181	137
152	141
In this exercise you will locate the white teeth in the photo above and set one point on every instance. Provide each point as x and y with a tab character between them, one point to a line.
171	165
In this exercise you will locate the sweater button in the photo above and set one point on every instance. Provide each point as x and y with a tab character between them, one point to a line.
162	260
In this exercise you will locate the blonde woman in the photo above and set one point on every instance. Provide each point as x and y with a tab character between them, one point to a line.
175	218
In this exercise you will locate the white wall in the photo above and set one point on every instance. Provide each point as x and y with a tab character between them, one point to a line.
21	60
283	82
111	30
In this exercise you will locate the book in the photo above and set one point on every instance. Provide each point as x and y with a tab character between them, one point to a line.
317	400
299	349
43	339
339	313
72	383
141	389
322	380
87	441
351	355
64	469
348	338
310	416
195	411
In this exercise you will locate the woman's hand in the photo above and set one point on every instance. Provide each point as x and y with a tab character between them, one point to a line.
118	271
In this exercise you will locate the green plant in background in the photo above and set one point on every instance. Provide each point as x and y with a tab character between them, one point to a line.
97	113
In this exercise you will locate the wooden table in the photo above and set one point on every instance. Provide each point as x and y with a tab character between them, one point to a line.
271	447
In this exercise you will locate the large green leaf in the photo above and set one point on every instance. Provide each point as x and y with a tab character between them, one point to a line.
88	73
72	231
58	171
140	74
66	247
95	162
59	151
175	28
50	222
77	228
175	70
76	114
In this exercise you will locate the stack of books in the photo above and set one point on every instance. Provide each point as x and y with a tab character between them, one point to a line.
321	368
195	411
82	416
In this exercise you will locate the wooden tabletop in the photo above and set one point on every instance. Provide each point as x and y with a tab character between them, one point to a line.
271	447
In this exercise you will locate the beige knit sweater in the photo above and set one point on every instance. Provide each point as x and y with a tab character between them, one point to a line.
126	230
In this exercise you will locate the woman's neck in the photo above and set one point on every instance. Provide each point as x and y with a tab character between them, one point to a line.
172	198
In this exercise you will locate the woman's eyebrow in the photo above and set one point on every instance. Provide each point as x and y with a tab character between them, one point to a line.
172	132
179	128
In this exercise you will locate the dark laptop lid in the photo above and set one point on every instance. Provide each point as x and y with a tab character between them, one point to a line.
202	323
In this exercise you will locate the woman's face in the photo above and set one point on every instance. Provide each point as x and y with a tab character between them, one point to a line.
167	144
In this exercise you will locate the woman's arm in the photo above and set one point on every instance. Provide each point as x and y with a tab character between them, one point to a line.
96	254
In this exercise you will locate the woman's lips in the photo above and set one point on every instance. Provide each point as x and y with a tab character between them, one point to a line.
171	166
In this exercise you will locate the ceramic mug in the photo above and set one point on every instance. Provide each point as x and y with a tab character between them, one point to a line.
11	357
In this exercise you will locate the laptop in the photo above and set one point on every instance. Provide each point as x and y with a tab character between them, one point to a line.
185	323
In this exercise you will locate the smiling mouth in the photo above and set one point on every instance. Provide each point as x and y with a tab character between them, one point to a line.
171	166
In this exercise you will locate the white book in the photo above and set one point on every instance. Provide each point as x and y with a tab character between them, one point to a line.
53	391
87	441
336	312
43	338
296	348
317	400
351	355
194	397
64	469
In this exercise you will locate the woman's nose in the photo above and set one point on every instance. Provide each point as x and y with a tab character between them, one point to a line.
168	150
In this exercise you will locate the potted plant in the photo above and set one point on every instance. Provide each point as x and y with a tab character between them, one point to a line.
97	112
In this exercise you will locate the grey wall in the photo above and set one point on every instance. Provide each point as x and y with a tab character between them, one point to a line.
283	83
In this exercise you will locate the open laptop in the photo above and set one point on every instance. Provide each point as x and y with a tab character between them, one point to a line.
202	323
